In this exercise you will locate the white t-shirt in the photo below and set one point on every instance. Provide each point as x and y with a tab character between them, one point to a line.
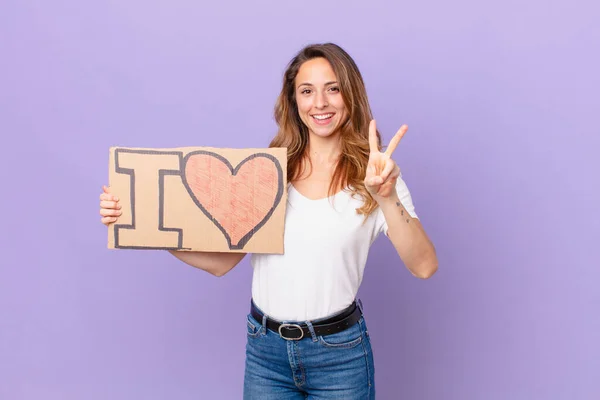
326	245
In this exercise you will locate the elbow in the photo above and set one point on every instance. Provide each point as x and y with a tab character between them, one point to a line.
225	266
219	272
425	269
426	272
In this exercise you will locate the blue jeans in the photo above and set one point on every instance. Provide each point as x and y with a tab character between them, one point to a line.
336	366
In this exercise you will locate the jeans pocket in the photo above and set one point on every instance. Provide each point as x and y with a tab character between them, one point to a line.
253	329
345	339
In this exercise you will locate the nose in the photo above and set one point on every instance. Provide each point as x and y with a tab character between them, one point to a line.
321	100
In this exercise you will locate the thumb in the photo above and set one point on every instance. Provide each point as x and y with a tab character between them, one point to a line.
374	181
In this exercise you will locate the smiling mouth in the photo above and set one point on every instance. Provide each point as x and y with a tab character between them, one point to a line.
321	118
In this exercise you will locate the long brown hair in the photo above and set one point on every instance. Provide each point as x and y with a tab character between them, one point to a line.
354	132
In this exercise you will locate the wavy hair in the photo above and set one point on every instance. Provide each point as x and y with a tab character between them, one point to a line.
354	131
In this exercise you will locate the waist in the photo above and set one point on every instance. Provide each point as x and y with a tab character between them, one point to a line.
297	330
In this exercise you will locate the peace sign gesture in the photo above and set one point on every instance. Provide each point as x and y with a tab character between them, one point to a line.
382	170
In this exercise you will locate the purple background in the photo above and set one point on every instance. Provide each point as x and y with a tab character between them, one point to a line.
502	104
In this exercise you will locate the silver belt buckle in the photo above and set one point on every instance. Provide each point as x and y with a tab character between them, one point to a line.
289	325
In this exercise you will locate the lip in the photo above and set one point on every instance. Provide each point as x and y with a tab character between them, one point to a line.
322	121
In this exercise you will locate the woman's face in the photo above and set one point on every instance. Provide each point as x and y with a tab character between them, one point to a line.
320	103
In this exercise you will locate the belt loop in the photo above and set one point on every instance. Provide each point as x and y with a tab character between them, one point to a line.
264	324
264	317
312	331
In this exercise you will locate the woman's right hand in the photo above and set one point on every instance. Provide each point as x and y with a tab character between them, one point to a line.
110	209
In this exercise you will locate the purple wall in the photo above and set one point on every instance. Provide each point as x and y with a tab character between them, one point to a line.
502	104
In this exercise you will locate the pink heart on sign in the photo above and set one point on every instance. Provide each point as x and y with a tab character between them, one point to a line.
240	200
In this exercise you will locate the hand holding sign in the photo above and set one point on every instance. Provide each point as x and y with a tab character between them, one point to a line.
110	209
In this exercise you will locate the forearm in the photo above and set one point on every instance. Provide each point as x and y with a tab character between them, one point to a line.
215	263
409	238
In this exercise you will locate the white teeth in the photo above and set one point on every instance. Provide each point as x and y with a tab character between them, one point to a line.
321	117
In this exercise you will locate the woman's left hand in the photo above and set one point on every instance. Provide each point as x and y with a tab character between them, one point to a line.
382	170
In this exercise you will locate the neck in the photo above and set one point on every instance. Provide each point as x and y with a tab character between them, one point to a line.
324	150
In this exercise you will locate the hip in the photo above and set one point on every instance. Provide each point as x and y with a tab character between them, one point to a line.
341	361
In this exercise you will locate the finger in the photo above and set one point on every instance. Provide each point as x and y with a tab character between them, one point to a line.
110	204
387	169
108	196
395	173
374	166
373	181
391	178
105	189
107	212
373	146
395	140
108	220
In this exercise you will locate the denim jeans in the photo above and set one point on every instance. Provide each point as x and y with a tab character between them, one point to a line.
336	366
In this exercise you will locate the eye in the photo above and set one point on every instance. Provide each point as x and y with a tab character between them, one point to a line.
334	89
305	91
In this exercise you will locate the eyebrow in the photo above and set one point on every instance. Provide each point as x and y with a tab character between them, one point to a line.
310	84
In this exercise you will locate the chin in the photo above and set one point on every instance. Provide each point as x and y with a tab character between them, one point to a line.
324	133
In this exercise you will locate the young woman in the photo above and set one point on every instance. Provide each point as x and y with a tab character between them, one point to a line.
307	336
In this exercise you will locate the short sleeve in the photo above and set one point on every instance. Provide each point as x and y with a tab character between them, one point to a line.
405	199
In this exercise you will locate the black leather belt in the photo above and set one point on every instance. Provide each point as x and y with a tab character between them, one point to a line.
297	331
